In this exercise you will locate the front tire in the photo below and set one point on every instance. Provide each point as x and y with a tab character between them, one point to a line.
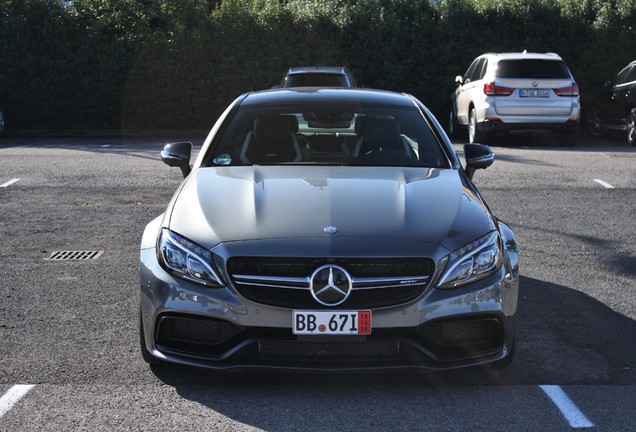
455	130
452	124
594	122
474	134
631	127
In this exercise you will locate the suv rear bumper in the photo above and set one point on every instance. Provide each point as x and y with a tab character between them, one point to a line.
499	126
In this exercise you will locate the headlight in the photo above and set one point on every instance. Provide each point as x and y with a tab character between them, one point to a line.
476	260
186	259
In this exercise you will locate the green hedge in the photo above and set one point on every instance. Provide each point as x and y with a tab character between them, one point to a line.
176	64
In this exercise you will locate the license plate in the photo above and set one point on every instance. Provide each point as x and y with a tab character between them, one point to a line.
534	93
331	322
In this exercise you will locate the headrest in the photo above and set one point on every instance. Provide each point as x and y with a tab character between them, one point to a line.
382	133
271	130
359	126
293	123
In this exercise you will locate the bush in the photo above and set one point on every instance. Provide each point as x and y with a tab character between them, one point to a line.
156	64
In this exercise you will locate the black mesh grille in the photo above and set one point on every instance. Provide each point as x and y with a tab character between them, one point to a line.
302	299
463	336
358	268
174	330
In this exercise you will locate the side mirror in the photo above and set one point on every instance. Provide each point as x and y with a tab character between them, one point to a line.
178	155
478	156
459	80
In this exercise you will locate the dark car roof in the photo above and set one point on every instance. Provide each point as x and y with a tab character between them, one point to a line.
328	95
317	69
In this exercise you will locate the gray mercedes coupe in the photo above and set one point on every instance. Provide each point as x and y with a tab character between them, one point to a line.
328	229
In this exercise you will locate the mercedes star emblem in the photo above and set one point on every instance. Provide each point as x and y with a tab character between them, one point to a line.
330	285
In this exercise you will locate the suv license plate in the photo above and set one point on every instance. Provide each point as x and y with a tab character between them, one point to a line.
534	93
331	322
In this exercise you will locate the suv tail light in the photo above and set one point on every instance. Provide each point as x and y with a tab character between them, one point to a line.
572	90
494	90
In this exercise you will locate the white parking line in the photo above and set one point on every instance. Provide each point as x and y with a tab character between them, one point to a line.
568	409
12	397
9	183
603	183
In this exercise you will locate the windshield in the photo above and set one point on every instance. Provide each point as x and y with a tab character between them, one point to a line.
328	135
532	68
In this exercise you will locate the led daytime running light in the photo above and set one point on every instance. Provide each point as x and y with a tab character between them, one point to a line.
186	259
472	261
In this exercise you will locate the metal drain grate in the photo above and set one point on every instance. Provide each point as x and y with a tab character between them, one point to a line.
74	255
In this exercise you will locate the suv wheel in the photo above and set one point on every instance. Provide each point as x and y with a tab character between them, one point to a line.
452	124
454	129
594	122
474	134
631	127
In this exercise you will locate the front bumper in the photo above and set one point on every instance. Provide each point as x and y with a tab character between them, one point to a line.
217	328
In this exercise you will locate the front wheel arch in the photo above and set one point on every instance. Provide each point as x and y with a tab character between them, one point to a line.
474	134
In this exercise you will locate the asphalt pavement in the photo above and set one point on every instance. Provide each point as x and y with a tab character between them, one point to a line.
69	328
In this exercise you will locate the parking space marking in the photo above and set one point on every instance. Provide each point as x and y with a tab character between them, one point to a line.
604	184
568	409
9	183
12	397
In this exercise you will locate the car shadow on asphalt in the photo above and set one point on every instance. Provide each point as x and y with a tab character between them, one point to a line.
564	337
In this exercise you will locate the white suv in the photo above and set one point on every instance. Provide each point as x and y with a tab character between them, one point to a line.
528	92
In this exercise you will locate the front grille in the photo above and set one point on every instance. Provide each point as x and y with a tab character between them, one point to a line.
302	299
303	267
285	282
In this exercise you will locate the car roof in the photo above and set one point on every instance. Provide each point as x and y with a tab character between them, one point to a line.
339	70
300	95
525	55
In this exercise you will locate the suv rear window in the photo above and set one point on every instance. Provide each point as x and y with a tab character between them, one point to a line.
532	68
316	80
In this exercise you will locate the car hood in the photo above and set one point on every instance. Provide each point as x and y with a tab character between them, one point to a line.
225	204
